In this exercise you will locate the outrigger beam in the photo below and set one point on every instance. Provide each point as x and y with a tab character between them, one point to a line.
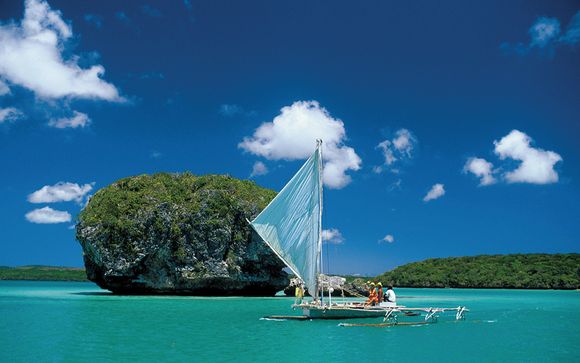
388	314
431	313
460	313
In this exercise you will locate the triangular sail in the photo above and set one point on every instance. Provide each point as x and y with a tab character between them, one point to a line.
290	224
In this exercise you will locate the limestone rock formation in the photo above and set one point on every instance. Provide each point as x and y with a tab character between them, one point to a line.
178	234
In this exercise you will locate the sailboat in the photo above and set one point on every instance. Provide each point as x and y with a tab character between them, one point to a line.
291	225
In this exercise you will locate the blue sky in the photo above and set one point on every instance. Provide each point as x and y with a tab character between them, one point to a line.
451	129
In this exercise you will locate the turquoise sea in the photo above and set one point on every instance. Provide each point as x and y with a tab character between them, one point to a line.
74	322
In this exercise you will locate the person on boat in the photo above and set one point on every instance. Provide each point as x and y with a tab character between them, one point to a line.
390	296
379	292
372	300
299	294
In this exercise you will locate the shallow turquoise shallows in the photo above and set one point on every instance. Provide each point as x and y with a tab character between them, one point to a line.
78	322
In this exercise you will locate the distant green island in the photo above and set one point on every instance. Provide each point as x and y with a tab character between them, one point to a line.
49	273
515	271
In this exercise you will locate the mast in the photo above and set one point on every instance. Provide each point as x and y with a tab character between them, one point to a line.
319	149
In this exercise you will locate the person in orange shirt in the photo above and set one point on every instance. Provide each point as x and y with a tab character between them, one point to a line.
372	300
379	292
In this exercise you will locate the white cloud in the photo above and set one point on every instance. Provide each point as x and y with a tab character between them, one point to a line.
9	114
399	147
437	191
390	158
537	165
78	120
258	169
60	192
387	239
94	19
544	31
377	169
396	185
292	136
545	34
572	35
482	169
230	110
48	215
32	57
404	142
4	89
332	236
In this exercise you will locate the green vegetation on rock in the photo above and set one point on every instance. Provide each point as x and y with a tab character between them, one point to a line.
516	271
114	208
42	273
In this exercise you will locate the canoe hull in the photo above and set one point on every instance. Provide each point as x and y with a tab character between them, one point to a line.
341	313
393	313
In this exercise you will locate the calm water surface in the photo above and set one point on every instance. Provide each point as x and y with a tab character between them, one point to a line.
71	322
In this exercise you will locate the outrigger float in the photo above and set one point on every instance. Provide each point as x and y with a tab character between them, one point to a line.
291	225
392	315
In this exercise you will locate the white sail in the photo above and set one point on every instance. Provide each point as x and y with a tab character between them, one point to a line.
291	223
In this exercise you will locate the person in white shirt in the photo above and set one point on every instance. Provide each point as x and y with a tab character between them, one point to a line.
390	295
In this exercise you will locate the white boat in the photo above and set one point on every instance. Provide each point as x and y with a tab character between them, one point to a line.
291	225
